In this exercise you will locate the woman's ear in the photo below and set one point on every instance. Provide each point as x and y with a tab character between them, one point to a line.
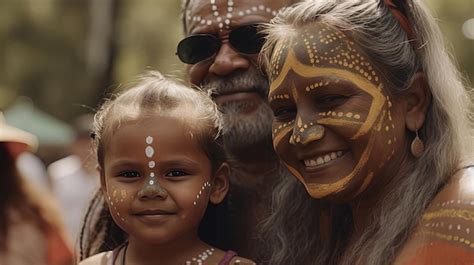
220	184
418	101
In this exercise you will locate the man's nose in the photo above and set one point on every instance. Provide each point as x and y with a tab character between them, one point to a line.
228	60
305	133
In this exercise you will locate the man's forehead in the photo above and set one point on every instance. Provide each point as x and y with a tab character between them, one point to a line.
223	14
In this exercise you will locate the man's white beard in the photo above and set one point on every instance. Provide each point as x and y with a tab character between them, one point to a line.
242	131
246	130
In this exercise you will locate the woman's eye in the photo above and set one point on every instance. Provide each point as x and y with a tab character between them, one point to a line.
176	173
129	174
284	113
331	100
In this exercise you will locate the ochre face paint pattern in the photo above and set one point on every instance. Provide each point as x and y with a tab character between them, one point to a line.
333	88
223	12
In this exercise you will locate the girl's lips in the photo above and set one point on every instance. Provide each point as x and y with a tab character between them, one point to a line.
153	212
154	219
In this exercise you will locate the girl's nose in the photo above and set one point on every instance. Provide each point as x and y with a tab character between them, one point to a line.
152	190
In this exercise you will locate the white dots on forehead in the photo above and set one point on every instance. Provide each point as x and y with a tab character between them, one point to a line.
151	164
149	152
224	20
320	45
149	140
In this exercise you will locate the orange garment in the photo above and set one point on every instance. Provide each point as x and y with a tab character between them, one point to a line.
57	250
28	244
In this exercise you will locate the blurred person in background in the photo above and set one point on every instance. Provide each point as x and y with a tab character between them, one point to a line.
30	229
74	178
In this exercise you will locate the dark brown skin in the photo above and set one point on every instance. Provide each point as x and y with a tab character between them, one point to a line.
253	167
320	82
445	233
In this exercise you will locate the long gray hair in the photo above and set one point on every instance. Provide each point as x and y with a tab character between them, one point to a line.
446	132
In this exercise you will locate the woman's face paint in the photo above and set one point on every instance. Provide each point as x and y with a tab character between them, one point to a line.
335	127
157	179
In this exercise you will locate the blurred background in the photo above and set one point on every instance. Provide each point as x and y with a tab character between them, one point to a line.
59	58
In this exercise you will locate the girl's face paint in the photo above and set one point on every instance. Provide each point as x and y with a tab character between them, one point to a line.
335	127
153	171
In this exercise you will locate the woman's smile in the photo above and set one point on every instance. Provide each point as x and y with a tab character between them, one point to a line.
322	160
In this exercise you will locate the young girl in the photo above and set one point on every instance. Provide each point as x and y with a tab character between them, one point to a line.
160	164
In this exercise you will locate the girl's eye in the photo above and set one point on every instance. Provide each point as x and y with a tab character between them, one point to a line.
176	173
129	174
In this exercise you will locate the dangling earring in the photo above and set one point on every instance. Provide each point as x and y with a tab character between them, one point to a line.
417	146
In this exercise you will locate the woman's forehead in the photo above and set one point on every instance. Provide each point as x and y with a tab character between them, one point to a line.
322	46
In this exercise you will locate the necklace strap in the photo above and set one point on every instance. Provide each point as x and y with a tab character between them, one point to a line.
124	254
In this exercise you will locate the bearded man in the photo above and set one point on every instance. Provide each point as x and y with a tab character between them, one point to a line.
221	49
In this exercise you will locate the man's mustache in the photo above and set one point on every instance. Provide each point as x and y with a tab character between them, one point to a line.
249	81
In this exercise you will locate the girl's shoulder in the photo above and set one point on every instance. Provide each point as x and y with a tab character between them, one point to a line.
103	258
241	261
230	258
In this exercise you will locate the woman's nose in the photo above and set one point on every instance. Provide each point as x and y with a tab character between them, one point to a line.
305	133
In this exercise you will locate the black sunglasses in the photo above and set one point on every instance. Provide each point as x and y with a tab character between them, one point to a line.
196	48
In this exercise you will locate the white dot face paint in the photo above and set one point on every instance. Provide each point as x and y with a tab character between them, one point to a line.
215	12
149	151
116	202
151	164
174	184
205	186
149	140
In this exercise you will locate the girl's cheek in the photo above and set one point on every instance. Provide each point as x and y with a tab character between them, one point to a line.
195	204
118	201
202	195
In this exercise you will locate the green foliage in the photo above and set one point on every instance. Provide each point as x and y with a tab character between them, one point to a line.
57	52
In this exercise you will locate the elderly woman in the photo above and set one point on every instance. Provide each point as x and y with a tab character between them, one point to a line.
371	118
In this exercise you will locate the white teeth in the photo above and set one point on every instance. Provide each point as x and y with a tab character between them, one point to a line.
319	160
327	158
323	159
